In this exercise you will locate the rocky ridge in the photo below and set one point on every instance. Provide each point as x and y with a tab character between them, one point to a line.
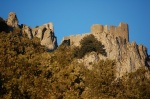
45	32
128	56
12	20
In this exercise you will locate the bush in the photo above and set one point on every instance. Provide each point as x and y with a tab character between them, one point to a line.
3	25
89	44
27	71
99	80
135	85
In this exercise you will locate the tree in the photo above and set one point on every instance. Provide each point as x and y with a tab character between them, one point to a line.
88	44
99	80
3	25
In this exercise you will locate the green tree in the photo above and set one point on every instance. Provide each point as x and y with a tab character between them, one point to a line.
99	81
136	85
3	25
88	44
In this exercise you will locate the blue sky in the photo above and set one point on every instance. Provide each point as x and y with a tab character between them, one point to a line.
72	17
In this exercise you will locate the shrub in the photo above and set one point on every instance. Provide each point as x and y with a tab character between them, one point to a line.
89	44
27	71
36	26
136	85
99	80
3	25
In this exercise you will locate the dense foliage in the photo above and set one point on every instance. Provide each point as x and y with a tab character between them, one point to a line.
28	71
88	44
3	25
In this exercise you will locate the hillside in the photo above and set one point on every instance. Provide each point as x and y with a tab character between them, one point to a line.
28	70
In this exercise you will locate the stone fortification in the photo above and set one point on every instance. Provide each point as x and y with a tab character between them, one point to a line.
117	31
128	56
74	39
97	29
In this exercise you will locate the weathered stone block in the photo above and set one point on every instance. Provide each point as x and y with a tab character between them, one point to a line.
96	28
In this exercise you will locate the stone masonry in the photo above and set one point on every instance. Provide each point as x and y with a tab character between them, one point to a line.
115	31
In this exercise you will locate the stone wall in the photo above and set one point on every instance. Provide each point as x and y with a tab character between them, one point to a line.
75	39
96	29
117	31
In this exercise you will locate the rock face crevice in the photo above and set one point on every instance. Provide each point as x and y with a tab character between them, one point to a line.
128	56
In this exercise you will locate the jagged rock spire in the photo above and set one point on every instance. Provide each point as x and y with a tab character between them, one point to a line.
12	20
44	32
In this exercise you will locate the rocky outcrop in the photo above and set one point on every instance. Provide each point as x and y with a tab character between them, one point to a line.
45	33
12	20
128	56
26	29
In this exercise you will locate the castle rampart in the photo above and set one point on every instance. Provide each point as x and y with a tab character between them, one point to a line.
116	31
74	39
120	30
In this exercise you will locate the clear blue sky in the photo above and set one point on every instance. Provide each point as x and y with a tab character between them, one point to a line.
76	16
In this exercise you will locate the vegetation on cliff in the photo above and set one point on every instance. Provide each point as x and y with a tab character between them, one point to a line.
28	71
88	44
3	25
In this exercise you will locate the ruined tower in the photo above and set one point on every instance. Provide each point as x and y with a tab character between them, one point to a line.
116	31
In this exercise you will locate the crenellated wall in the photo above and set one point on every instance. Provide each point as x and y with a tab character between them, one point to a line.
75	39
115	31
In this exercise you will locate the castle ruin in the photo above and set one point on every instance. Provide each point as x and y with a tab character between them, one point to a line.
116	31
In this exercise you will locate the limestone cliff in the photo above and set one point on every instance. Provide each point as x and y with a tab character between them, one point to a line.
44	32
12	20
128	56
